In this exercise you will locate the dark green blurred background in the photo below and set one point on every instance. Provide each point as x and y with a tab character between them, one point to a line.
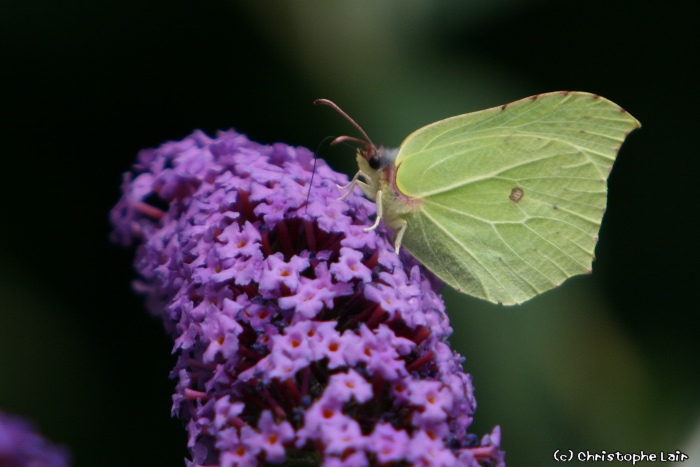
608	361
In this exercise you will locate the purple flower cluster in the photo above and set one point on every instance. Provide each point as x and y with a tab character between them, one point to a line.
22	446
300	337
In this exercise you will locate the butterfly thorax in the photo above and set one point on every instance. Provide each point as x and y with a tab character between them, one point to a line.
396	206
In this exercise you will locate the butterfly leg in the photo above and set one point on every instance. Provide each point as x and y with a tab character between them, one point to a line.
378	201
355	181
399	236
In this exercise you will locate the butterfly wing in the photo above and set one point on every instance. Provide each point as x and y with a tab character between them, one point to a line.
513	196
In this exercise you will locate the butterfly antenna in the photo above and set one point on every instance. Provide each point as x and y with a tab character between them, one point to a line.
313	170
367	142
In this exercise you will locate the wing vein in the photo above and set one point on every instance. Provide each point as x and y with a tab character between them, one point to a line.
466	250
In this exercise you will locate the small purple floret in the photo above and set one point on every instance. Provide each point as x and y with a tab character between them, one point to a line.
300	337
22	446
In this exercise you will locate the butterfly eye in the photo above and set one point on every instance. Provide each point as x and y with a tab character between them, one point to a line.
375	162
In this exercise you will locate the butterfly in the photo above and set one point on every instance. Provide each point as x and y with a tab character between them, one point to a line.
502	204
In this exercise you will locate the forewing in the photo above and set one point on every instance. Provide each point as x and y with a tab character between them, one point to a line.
512	197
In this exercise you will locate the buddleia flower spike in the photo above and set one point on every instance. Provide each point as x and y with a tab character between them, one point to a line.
301	336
